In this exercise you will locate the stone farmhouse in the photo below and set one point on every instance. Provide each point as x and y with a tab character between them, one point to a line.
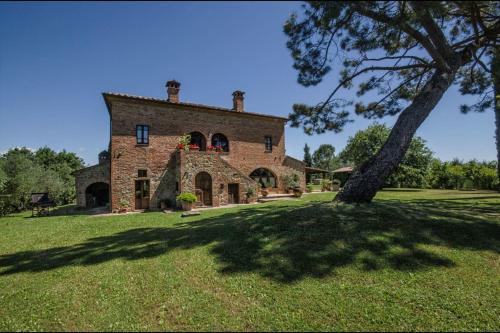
145	169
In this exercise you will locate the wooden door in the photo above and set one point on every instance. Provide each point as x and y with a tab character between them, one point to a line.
233	193
141	194
203	182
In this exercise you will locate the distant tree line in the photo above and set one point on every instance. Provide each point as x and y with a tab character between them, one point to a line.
24	171
418	169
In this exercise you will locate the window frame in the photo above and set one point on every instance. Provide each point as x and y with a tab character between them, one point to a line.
270	148
226	149
143	138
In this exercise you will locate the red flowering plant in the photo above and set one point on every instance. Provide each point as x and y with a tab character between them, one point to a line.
211	148
194	146
218	148
184	141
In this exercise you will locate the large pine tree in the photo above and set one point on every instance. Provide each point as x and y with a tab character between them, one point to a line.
408	52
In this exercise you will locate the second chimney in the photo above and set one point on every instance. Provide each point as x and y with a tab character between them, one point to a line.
173	88
238	100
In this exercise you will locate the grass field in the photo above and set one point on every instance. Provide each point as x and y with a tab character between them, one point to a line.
411	260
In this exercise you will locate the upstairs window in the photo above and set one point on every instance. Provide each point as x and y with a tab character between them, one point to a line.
142	134
268	142
198	139
221	141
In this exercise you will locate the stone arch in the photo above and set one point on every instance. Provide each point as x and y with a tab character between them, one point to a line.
264	176
199	139
97	195
203	188
219	139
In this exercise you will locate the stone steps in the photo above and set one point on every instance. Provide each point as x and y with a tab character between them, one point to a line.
274	197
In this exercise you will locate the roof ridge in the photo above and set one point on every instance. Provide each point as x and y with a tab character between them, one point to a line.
190	104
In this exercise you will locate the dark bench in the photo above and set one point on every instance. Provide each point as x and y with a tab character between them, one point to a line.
41	203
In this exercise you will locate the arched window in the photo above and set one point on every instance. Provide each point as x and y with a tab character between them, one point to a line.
220	140
198	139
265	177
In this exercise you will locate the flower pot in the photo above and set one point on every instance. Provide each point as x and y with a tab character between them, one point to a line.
297	192
186	205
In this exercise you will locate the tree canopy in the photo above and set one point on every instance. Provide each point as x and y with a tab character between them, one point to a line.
405	53
324	157
23	171
307	156
412	170
393	47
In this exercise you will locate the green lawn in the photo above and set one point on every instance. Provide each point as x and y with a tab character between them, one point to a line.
411	260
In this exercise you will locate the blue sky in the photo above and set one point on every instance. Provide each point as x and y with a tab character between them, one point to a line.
57	58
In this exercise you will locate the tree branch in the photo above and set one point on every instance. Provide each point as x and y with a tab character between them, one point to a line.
403	25
364	70
433	31
399	87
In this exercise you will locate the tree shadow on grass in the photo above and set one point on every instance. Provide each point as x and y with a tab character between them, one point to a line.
288	242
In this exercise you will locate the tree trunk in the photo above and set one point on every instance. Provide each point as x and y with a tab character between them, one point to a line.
371	176
495	70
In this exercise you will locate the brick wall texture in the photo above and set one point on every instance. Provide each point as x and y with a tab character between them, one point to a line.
171	172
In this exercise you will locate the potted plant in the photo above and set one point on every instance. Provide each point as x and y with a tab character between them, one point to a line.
264	191
297	192
187	199
250	194
184	141
210	148
291	181
123	206
218	149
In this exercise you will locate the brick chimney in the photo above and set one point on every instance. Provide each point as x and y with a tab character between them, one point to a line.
238	100
173	88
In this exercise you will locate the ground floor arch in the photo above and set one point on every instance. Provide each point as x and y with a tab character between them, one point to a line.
203	188
97	195
265	177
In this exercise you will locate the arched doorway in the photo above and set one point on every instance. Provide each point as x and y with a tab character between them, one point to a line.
203	186
198	139
220	139
97	195
264	177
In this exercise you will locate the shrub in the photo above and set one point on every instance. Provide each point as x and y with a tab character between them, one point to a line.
124	203
309	188
335	185
250	192
186	197
291	180
326	185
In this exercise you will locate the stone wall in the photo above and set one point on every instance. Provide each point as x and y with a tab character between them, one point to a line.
293	165
85	177
221	172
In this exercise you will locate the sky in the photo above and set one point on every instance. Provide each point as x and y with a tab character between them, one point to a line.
56	59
